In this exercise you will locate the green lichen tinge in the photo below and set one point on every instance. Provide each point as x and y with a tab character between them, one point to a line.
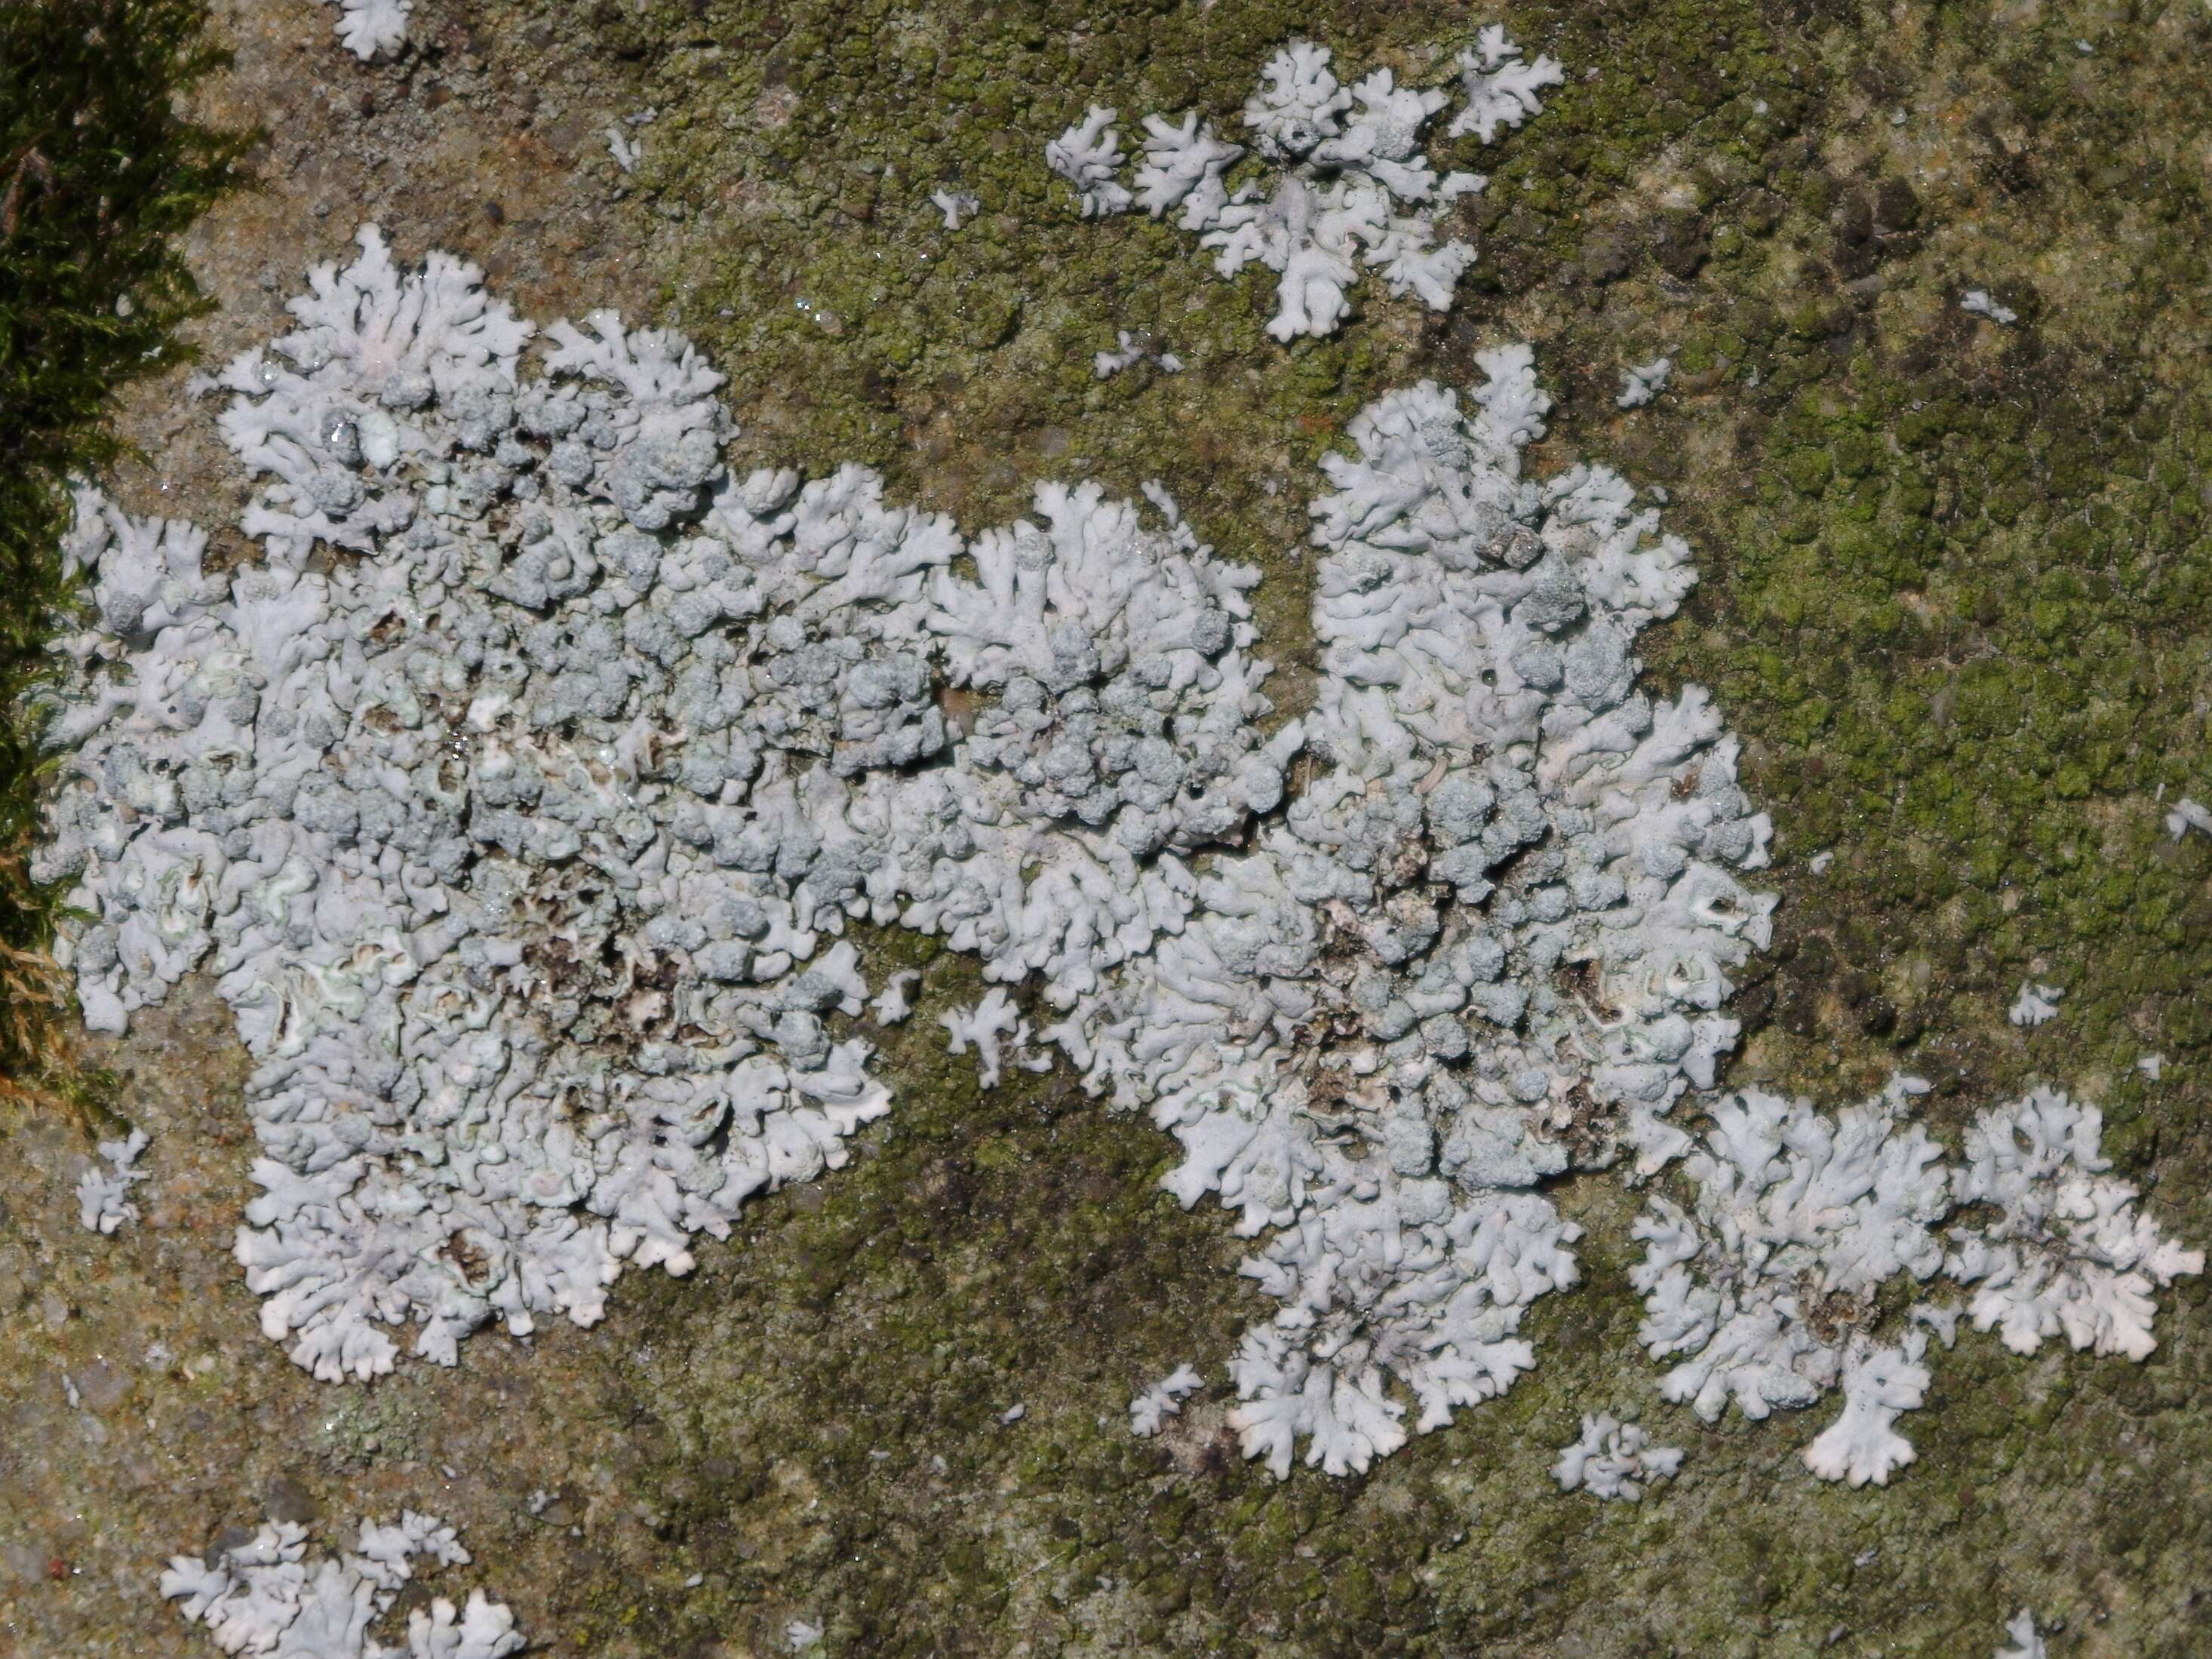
1955	600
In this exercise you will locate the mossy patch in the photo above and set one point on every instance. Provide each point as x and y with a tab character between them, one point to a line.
99	174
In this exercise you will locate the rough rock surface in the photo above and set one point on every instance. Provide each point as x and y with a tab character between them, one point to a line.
1954	585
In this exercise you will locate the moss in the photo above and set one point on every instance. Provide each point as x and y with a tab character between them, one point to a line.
99	174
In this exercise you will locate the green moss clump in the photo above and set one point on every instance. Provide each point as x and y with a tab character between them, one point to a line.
98	172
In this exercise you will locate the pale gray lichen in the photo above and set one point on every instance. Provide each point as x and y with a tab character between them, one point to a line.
1502	88
1130	350
1352	190
521	797
2069	1253
263	1596
2022	1640
522	837
1615	1461
996	1031
1978	303
1162	1400
2036	1005
373	29
891	1005
1641	382
1489	937
1764	1293
522	841
1878	1384
103	1196
957	206
1088	155
2185	815
1767	1293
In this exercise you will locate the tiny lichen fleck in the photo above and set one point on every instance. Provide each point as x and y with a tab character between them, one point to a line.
373	30
1977	302
957	206
103	1196
1162	1400
1130	350
1642	382
2035	1005
1614	1460
2185	815
2022	1640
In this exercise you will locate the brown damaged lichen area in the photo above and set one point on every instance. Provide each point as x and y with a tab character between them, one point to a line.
1954	593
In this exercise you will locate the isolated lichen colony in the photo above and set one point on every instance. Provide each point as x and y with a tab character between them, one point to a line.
1352	188
372	29
1800	1220
1615	1461
261	1595
522	828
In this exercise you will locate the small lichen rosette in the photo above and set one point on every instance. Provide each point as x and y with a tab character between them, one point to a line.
263	1596
1350	190
521	796
2067	1252
1765	1295
1614	1461
1767	1292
